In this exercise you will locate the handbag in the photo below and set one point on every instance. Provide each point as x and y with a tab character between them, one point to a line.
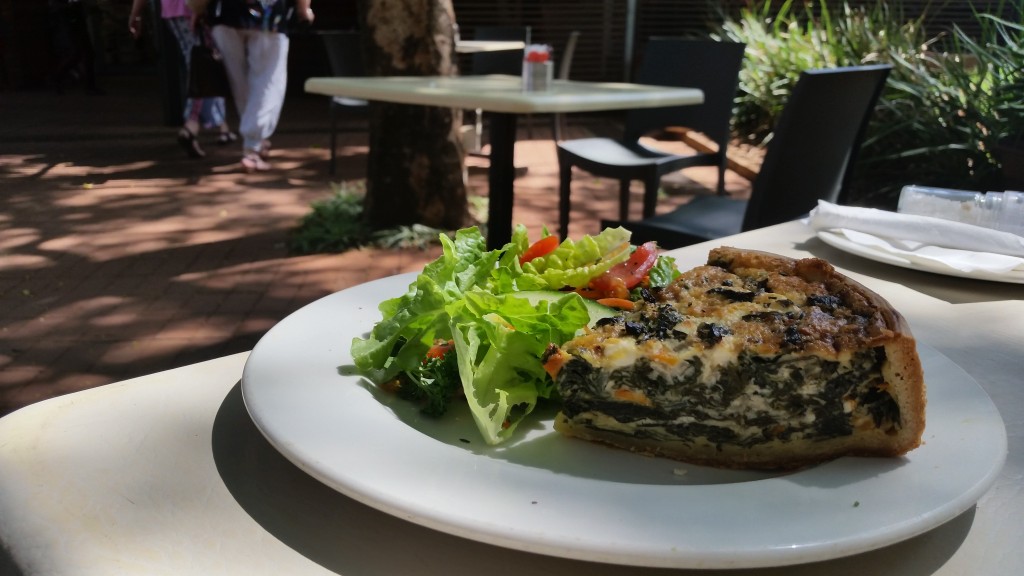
206	74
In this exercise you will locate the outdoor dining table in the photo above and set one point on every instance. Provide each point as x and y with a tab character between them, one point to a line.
504	98
477	46
169	474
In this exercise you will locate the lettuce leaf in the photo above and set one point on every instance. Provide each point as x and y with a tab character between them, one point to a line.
499	341
573	264
664	272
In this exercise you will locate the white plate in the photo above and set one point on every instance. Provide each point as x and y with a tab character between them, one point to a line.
846	245
552	495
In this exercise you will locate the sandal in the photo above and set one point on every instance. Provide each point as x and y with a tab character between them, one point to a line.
226	137
188	142
264	149
252	162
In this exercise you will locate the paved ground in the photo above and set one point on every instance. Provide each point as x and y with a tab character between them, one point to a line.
120	257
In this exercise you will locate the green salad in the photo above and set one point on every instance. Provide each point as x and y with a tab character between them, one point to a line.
476	322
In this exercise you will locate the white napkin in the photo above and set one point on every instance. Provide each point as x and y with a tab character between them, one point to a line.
923	239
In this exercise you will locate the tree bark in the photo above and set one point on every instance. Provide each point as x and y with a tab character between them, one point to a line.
415	163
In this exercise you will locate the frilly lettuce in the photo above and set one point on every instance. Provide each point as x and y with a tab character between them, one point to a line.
467	295
573	264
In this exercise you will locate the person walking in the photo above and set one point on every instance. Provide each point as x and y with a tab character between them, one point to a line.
252	38
199	113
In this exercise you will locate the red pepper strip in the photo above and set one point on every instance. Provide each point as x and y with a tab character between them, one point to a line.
620	303
542	247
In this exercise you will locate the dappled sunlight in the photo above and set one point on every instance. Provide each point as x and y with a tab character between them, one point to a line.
122	257
351	151
134	186
26	262
81	170
20	165
192	331
11	238
248	275
328	272
18	161
110	197
83	313
119	313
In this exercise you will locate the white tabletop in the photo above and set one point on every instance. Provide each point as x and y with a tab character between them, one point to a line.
476	46
501	93
167	474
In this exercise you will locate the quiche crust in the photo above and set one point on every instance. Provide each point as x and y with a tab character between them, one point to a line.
754	360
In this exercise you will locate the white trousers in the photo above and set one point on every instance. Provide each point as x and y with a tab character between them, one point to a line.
257	67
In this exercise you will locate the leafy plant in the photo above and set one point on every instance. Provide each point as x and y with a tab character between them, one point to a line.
335	224
951	99
945	113
782	42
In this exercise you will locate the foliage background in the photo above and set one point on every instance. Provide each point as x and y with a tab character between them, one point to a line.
952	110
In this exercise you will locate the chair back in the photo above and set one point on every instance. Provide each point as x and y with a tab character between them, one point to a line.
344	53
504	61
565	58
712	66
815	143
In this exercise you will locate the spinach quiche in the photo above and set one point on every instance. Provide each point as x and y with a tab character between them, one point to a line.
753	360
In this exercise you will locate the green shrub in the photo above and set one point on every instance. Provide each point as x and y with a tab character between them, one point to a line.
783	42
944	113
335	224
949	100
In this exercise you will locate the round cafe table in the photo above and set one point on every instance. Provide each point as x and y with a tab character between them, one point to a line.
167	473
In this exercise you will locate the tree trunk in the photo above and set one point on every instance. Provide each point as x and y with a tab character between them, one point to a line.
415	163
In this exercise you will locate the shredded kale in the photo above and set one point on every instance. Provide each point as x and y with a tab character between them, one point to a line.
711	333
826	302
732	294
679	398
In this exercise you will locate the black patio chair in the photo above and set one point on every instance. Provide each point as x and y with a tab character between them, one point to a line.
809	157
345	56
564	60
502	61
711	66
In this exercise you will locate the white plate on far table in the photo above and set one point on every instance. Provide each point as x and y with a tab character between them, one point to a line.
553	495
846	245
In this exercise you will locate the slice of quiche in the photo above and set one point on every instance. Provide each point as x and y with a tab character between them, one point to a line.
754	360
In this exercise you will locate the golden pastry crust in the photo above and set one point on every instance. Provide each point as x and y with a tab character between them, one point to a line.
754	360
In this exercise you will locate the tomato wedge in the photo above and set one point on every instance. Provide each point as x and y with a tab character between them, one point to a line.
542	247
617	281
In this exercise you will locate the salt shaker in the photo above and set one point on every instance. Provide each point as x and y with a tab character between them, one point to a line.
538	69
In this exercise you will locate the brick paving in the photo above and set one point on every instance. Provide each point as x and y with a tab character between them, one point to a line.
120	257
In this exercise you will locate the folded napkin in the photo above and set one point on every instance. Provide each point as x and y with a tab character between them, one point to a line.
923	239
